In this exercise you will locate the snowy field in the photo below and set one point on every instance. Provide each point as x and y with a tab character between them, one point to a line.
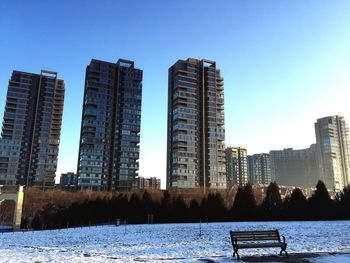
172	243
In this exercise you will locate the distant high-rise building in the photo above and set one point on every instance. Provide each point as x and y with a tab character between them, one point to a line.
196	134
333	151
148	183
68	180
259	168
236	166
110	128
31	129
295	167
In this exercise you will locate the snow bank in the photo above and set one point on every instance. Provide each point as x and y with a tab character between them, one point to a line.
170	242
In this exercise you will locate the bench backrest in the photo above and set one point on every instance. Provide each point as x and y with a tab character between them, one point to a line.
254	235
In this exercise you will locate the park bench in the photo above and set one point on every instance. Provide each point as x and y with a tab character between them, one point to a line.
257	239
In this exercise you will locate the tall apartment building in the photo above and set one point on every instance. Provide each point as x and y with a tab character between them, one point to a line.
333	151
196	134
295	167
236	166
110	128
259	168
31	129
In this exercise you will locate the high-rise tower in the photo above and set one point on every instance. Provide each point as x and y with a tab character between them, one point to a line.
110	129
196	134
31	129
332	145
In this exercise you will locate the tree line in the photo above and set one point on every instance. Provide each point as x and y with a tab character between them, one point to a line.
169	208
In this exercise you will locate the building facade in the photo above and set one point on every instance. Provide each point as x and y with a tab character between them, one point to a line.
236	166
259	168
31	129
196	134
332	141
110	129
295	167
9	162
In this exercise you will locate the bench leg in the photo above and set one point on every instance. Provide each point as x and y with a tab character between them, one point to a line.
283	249
235	252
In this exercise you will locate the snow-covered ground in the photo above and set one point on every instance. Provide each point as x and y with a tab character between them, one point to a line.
171	242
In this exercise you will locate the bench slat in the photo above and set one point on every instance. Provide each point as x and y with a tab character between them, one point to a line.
275	236
257	239
253	231
269	235
255	235
257	245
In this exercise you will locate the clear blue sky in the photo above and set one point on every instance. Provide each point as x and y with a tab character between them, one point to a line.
285	63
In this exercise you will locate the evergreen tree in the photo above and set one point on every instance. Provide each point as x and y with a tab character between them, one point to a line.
148	205
120	206
320	203
272	204
194	211
296	205
47	217
249	199
244	206
238	206
180	212
216	208
165	211
135	210
100	210
345	202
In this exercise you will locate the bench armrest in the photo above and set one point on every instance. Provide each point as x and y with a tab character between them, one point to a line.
233	239
284	239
